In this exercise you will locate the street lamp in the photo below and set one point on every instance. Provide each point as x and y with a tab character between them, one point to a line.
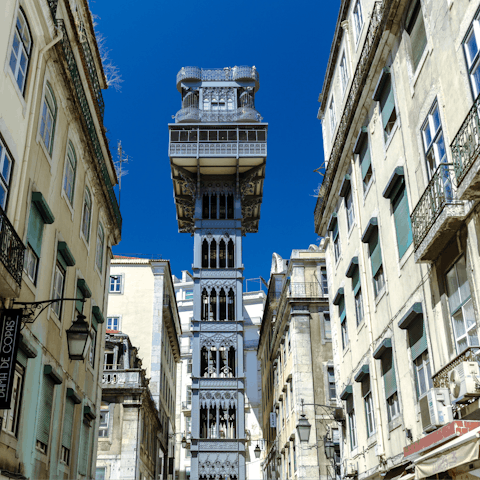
79	338
329	447
303	427
257	451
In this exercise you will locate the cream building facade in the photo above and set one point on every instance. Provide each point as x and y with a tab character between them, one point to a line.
142	304
130	432
295	352
59	220
253	302
398	208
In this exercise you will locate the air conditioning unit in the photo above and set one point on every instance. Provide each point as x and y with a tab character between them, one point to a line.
350	469
464	382
435	409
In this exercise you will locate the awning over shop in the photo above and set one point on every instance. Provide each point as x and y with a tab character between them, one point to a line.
462	450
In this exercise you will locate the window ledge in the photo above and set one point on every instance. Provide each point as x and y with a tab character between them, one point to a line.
365	193
392	133
380	296
419	68
361	326
402	261
395	423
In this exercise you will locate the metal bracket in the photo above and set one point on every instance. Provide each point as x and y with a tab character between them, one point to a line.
31	307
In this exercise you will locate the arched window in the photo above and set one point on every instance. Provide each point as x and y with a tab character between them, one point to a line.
222	250
86	214
231	259
21	50
231	305
230	207
213	206
100	247
222	206
223	305
49	116
70	170
205	254
213	305
205	304
205	207
213	254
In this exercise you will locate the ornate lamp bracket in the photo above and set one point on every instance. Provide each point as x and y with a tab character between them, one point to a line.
30	308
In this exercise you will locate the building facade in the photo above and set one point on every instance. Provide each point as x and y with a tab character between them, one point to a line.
253	302
399	209
59	220
295	352
142	305
130	433
217	154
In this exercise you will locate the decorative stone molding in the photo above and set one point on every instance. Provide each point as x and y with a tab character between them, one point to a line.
217	340
218	398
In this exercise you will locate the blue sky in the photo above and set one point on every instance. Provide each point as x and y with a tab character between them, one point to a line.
289	44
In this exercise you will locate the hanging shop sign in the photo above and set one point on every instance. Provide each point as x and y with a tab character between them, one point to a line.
10	322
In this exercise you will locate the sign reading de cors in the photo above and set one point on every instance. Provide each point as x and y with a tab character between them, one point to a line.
10	321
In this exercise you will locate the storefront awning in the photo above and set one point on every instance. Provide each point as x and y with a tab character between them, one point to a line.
455	453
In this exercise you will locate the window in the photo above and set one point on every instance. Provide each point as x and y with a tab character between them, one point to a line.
86	214
384	95
332	394
289	340
294	453
323	274
189	295
357	291
104	420
352	422
415	27
68	430
93	346
290	386
357	20
189	365
365	162
327	325
349	209
5	173
343	72
116	284
423	374
100	473
113	323
471	52
368	404
331	113
12	416
70	170
401	215
58	286
189	395
49	116
336	241
375	253
100	248
45	413
461	307
433	141
287	410
390	384
343	322
21	50
289	462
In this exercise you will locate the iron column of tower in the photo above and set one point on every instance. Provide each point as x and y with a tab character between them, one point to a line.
218	150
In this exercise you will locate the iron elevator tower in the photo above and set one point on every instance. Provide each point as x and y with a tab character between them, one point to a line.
218	150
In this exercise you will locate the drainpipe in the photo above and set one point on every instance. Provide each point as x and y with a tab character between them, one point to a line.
31	121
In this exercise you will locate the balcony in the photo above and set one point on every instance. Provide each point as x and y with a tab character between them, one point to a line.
194	114
236	74
437	215
122	378
12	253
186	406
441	378
304	289
466	159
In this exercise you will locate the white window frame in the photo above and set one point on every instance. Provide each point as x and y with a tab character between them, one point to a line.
352	429
328	369
379	282
48	116
423	374
393	407
12	416
23	50
369	412
357	17
349	209
119	319
120	276
87	209
359	313
344	330
343	72
6	160
104	427
473	63
332	117
69	174
100	248
30	265
57	293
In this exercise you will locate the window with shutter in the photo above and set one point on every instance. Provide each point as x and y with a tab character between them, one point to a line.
45	413
343	322
365	164
387	107
83	459
67	432
401	215
352	422
34	243
390	384
415	27
368	404
376	262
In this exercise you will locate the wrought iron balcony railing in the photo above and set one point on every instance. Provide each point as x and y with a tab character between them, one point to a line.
305	289
92	70
12	250
441	378
87	115
218	74
374	33
122	378
194	114
466	144
439	192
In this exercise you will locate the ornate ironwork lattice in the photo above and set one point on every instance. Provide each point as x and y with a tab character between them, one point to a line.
12	250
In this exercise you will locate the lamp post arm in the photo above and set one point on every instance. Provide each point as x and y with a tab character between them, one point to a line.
31	307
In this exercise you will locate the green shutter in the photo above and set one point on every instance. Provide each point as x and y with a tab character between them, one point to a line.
349	404
68	423
335	230
417	339
22	358
83	461
403	225
79	304
388	372
375	252
35	230
356	280
418	36
45	410
387	102
341	309
365	158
